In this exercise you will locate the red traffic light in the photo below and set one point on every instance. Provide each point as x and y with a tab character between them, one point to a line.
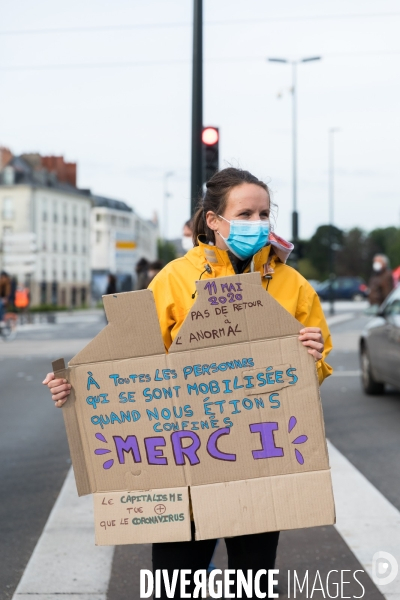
210	136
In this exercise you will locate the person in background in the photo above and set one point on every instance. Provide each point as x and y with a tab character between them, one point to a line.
381	281
21	298
187	236
13	291
154	268
5	292
396	276
112	284
142	275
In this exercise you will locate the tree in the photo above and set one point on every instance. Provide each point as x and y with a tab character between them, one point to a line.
317	249
165	251
307	269
353	257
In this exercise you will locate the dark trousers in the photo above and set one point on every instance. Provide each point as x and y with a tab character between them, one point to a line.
257	551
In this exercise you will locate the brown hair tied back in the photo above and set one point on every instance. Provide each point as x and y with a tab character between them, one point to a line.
217	191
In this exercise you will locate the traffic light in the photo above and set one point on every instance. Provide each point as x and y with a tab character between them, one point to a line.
210	140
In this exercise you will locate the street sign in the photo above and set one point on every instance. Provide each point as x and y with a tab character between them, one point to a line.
19	253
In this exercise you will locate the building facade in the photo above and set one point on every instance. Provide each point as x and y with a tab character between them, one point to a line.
119	239
63	242
57	269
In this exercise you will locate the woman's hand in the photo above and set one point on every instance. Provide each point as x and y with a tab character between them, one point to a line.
59	389
312	338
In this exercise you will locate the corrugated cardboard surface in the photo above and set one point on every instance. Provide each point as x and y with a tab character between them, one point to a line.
297	402
236	398
264	504
142	517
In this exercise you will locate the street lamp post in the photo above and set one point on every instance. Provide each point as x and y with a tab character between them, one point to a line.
167	195
295	214
332	132
197	107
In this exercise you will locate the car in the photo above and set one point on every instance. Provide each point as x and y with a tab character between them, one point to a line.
380	347
344	288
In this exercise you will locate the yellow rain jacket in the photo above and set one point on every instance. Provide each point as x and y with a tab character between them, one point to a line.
174	286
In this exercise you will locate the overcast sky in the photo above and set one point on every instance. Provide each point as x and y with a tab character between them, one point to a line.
117	98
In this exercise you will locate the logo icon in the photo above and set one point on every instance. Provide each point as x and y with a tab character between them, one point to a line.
384	568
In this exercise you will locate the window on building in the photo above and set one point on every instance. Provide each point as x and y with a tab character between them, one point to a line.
8	209
84	217
44	238
65	214
83	296
74	244
74	215
113	220
98	217
65	274
7	229
55	246
73	296
98	237
43	292
54	293
74	271
55	213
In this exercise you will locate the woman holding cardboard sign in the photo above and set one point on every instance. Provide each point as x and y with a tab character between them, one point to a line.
232	235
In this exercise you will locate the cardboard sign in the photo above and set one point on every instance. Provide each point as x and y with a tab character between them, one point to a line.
146	517
232	412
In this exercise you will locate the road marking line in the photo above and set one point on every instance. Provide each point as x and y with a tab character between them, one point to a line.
65	560
366	520
336	319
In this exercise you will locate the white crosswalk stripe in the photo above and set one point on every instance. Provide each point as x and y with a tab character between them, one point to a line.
65	560
366	520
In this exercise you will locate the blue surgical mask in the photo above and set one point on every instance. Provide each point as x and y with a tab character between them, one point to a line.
246	238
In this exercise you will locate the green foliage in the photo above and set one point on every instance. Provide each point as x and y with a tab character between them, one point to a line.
165	251
316	250
353	258
353	251
307	269
46	308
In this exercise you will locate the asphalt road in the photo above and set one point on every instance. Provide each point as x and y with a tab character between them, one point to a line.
33	444
36	459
